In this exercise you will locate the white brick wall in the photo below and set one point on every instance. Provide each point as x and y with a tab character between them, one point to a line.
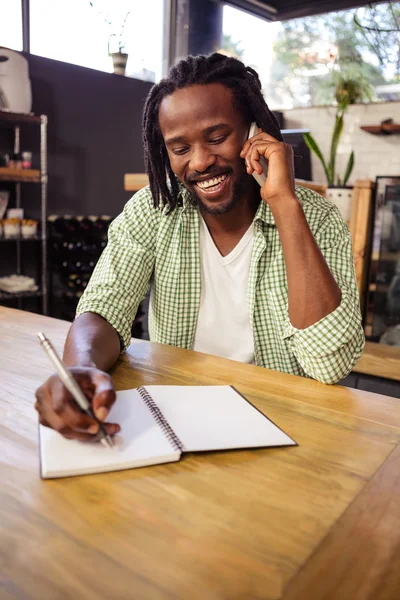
374	155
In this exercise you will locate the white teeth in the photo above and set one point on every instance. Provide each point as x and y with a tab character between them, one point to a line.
211	182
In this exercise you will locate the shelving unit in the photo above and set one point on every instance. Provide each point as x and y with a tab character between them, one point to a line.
20	295
383	129
34	238
27	176
20	175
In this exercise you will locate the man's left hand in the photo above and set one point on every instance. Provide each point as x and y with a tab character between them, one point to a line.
279	186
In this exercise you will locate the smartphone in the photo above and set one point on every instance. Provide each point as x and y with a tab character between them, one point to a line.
263	162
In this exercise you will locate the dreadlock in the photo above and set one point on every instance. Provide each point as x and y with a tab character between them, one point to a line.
194	70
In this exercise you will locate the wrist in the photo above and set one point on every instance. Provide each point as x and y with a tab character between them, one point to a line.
287	208
79	361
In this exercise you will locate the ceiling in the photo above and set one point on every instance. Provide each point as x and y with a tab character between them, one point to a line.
281	10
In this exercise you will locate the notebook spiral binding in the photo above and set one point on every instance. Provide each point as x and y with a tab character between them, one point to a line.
160	419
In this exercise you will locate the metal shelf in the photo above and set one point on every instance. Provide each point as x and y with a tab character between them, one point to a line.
385	256
19	238
16	295
383	129
19	175
18	118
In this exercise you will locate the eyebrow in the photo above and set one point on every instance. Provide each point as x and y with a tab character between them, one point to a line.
180	139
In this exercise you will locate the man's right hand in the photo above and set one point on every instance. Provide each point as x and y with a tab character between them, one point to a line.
58	410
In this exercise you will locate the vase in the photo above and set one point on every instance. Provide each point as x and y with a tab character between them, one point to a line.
341	196
119	62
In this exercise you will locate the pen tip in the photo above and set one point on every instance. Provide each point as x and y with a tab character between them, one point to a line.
107	441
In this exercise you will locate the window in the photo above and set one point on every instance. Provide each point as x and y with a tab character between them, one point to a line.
81	32
305	62
251	39
10	25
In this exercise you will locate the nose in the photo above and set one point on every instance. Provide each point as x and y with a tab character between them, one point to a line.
201	159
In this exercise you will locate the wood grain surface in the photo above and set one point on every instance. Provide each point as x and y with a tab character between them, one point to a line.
262	524
380	360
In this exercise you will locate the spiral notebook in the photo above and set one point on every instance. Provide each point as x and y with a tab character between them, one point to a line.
158	424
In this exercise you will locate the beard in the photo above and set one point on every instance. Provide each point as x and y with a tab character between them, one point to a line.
239	188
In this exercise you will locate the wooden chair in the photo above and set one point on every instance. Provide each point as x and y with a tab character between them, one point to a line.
134	182
359	225
360	228
320	188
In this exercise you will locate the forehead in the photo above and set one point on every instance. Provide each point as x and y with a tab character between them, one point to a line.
200	104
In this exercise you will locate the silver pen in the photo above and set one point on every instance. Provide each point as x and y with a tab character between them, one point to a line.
72	386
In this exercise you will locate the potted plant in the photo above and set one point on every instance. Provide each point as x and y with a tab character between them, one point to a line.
348	90
118	54
120	57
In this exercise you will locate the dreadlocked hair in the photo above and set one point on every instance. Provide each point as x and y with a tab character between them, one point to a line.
198	70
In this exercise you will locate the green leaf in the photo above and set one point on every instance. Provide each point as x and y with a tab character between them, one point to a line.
312	144
336	135
349	168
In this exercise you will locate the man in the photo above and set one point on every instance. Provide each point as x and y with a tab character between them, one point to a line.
264	276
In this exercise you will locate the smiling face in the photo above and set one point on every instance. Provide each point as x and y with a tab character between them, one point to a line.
204	133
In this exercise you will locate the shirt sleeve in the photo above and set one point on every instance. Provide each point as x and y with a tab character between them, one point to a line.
122	275
329	349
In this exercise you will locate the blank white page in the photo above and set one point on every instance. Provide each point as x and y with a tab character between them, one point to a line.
215	418
140	443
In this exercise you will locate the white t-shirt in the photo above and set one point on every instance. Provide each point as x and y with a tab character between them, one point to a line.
223	323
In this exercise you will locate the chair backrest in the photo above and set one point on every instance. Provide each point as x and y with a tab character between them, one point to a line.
360	229
359	223
320	188
135	181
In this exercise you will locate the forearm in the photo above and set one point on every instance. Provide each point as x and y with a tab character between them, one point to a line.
91	342
312	290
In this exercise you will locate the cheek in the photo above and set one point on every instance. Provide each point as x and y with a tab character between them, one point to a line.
233	150
176	163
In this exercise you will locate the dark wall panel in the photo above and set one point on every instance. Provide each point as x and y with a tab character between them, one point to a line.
94	134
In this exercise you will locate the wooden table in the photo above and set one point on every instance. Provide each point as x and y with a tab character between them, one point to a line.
319	521
380	360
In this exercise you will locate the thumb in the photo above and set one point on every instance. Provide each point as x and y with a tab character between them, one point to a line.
104	395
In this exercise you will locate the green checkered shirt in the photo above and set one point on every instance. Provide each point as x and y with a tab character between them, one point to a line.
147	246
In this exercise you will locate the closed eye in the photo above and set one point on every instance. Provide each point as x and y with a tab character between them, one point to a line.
218	140
180	151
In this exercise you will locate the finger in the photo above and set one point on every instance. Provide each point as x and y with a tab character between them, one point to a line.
257	149
62	411
245	148
58	410
261	136
109	428
267	149
76	420
248	143
61	427
265	136
253	159
104	395
71	434
256	152
249	168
